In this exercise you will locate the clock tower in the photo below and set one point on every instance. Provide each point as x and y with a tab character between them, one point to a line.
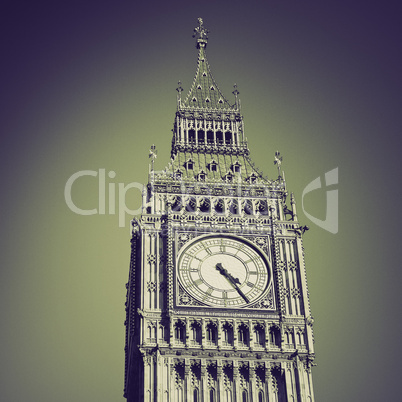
217	301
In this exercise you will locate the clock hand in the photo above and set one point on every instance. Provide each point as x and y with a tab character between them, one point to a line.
233	281
226	274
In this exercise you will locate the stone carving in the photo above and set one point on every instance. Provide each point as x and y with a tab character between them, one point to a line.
151	258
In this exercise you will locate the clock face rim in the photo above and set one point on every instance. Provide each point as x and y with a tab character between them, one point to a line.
244	303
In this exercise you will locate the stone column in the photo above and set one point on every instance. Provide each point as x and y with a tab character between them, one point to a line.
187	333
235	335
300	379
289	380
172	385
251	338
310	384
236	382
171	332
187	380
204	382
147	378
219	378
203	337
267	336
219	333
253	388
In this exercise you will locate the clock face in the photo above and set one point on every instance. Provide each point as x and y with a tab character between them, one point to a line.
223	271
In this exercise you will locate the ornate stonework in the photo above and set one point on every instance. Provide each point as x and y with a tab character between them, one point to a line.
217	300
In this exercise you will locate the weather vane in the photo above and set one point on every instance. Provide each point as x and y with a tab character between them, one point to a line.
278	161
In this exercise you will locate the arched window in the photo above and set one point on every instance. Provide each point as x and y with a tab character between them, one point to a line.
228	138
178	175
259	336
201	136
195	395
201	176
234	207
289	337
163	334
195	333
248	207
263	207
210	137
219	137
211	334
189	164
177	204
191	136
253	178
219	206
205	205
274	336
243	335
260	397
229	177
211	395
236	167
300	338
191	204
213	166
244	396
227	335
180	332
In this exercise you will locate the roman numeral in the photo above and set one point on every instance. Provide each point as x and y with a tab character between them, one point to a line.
207	249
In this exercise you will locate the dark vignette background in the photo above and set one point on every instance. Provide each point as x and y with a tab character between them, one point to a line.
91	84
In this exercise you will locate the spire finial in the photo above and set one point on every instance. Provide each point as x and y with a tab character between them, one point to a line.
236	94
153	154
278	161
179	90
201	33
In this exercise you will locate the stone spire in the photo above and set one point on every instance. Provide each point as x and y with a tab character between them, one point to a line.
204	92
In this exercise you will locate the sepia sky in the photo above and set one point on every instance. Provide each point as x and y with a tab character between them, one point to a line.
89	85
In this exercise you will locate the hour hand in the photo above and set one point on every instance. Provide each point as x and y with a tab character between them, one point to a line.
226	274
220	268
233	281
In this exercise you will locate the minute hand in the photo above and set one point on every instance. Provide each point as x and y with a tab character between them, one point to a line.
233	281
